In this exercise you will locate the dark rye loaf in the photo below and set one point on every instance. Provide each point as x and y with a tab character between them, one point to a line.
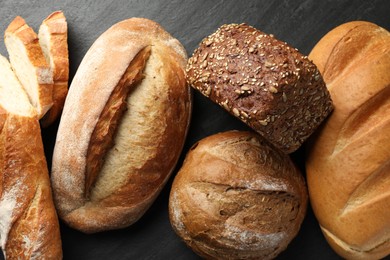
266	83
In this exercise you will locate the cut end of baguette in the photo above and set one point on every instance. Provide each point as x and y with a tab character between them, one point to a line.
29	64
53	41
13	98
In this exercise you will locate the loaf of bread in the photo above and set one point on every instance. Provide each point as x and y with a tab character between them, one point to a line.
264	82
237	197
29	227
123	127
29	64
348	164
53	38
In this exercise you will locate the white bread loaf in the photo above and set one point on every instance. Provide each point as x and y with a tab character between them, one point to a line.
29	227
123	127
348	164
29	64
53	38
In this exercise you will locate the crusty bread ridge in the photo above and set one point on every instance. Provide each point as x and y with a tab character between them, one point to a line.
29	227
29	64
53	38
123	127
348	164
237	197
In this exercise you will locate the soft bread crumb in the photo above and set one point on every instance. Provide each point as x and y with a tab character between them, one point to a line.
29	64
134	132
13	98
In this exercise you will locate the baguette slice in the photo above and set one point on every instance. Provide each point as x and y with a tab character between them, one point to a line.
29	227
29	64
53	38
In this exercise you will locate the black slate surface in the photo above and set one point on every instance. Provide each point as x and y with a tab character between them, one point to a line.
300	23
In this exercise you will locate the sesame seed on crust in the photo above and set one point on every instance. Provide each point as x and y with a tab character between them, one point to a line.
252	71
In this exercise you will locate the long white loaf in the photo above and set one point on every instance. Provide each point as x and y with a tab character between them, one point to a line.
348	167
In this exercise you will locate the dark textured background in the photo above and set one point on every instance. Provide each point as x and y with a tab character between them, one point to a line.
300	23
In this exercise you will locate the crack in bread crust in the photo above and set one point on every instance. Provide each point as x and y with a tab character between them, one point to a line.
223	210
353	248
347	162
103	134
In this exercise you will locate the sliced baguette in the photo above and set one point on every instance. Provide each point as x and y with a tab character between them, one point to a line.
53	38
13	99
29	227
29	64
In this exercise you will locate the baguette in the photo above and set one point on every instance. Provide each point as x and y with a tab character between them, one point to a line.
29	227
123	127
348	164
53	38
29	64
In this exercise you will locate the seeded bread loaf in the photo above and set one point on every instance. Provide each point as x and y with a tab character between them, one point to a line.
53	38
266	83
29	227
122	128
237	197
29	64
348	164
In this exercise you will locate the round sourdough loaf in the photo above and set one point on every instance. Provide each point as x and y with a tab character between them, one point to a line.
123	127
236	197
348	164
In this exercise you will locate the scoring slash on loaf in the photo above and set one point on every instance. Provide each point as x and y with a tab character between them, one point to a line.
123	127
264	82
29	227
29	64
237	197
348	164
53	39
